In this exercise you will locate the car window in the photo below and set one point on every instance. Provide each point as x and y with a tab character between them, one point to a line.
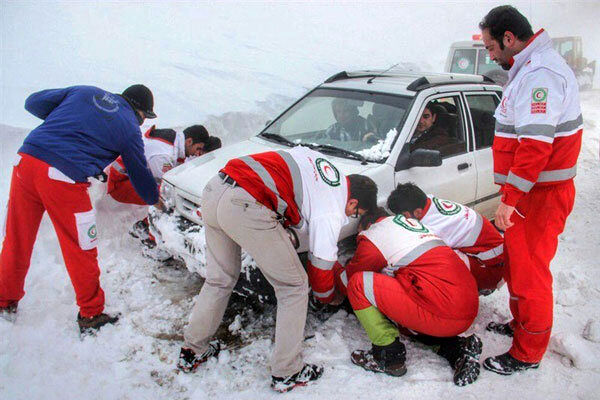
482	108
463	61
485	63
440	127
360	122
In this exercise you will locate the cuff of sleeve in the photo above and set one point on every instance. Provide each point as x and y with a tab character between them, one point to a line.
325	300
511	195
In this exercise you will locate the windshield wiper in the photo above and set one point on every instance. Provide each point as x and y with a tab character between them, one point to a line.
278	138
327	148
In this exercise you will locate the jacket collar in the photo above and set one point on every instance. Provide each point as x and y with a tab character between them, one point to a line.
538	42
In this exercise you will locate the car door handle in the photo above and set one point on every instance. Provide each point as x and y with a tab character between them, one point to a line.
463	166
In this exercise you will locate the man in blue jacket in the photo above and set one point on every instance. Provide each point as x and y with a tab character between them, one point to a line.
85	128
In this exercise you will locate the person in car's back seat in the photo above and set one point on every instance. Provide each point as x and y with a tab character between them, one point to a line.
428	134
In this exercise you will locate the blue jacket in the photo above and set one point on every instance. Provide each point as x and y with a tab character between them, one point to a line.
86	128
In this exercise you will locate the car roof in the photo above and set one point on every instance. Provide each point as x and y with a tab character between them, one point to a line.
404	83
468	44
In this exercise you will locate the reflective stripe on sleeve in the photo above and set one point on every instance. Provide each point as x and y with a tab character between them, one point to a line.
499	178
491	253
323	295
558	174
418	252
296	177
572	125
368	287
475	232
267	180
544	176
320	263
520	183
536	130
505	128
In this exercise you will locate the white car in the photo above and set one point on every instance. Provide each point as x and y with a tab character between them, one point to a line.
385	105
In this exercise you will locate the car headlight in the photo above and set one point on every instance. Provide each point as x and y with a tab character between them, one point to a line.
167	195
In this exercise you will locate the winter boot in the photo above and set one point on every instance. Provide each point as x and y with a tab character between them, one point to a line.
140	229
189	360
9	312
501	329
90	326
308	373
466	367
388	359
505	364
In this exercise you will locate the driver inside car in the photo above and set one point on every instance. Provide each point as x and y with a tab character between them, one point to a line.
349	125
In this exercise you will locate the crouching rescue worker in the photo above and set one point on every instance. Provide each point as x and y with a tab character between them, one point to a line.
476	241
246	206
164	150
402	271
85	128
536	145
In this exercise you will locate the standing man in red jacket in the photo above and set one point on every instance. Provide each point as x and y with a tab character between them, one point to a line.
536	145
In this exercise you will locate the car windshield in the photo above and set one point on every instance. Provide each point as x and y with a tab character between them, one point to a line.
346	123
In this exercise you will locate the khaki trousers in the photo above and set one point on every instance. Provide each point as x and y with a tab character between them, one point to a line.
233	220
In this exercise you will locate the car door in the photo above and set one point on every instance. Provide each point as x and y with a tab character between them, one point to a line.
480	109
456	178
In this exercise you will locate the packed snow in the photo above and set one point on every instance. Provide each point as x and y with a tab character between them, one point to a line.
232	67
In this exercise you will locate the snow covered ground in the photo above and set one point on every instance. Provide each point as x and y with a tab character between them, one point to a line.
41	355
232	67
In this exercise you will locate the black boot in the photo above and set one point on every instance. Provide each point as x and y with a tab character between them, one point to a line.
505	364
90	326
9	312
466	364
189	360
501	329
388	359
308	373
461	352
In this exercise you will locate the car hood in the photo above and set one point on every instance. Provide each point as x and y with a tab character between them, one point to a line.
193	175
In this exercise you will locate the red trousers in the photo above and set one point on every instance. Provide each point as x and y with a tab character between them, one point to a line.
486	276
36	187
391	296
119	187
529	246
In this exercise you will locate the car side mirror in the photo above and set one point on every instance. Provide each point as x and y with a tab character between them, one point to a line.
417	158
425	158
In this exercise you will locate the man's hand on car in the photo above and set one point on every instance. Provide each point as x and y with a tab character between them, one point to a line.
503	214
